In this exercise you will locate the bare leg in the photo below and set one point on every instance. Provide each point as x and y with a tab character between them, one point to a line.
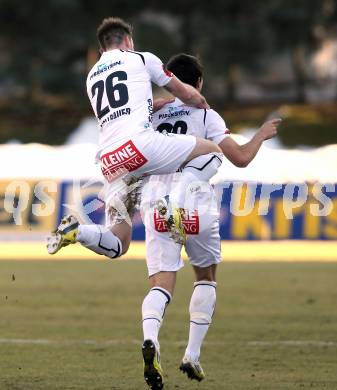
207	273
203	146
166	280
123	231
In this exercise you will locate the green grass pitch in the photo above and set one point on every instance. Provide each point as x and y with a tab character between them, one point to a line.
76	325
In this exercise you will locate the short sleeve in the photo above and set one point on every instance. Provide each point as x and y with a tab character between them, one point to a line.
216	129
156	70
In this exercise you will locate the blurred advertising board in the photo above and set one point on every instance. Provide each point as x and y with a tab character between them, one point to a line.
30	209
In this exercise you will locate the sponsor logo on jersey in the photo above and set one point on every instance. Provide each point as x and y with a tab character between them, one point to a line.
125	159
150	109
101	68
190	222
174	112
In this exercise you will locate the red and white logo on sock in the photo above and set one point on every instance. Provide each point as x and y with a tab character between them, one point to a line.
118	162
190	222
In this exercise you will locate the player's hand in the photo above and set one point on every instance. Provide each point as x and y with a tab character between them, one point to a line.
160	103
269	129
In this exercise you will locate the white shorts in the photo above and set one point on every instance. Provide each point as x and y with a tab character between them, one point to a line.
127	160
149	153
202	245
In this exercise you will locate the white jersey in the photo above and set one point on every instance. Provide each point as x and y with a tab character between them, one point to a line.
178	118
201	223
120	91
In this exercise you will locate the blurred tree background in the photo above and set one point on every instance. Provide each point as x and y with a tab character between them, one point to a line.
260	56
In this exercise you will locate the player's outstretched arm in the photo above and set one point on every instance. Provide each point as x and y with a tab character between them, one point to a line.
242	155
186	93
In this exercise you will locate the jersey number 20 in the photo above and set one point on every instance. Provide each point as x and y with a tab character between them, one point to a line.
180	127
117	94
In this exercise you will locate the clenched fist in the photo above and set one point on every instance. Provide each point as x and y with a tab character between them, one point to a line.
269	129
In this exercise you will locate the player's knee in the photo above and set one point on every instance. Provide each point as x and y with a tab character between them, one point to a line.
205	166
202	147
214	148
206	146
125	246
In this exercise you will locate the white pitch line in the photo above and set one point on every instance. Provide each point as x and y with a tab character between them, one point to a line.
25	341
67	342
117	342
293	343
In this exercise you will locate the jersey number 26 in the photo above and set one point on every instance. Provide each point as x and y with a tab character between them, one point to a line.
117	94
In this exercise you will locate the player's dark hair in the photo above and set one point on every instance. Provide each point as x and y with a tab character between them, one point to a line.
187	68
112	32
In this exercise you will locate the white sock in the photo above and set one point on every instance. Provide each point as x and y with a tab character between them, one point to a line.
201	311
153	310
200	169
99	239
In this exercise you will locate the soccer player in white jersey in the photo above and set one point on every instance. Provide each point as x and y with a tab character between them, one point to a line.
201	223
120	91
